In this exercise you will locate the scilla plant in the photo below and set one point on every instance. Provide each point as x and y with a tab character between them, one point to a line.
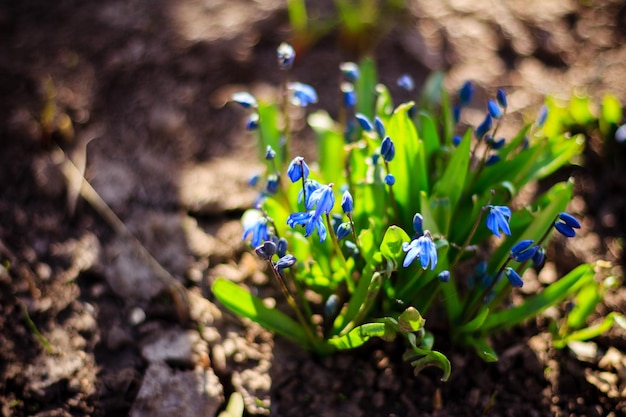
408	212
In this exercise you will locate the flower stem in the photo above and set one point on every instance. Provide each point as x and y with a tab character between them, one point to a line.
333	237
474	303
471	234
292	303
286	121
394	204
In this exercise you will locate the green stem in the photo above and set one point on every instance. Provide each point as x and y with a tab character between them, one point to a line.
286	121
354	236
394	204
474	303
333	237
292	303
471	234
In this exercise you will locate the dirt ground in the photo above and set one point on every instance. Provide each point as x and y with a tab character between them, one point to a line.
105	306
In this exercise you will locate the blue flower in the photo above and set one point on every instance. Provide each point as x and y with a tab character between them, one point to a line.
254	180
497	144
349	95
543	115
522	251
423	248
302	94
387	149
418	224
406	82
380	127
350	71
310	222
297	169
456	114
494	109
281	247
466	93
266	250
364	122
513	277
284	262
539	257
566	224
444	276
286	55
309	187
343	230
492	159
245	99
347	203
255	225
484	127
253	122
270	153
501	97
323	199
390	179
272	184
498	220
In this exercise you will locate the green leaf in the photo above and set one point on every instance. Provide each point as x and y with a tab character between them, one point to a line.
244	304
611	113
430	137
235	407
268	130
430	358
451	183
358	336
410	321
409	165
561	152
551	295
365	88
611	109
593	331
391	247
331	148
429	220
483	349
515	143
384	102
586	301
476	322
580	109
297	15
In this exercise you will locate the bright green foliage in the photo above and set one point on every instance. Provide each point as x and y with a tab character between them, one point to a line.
383	278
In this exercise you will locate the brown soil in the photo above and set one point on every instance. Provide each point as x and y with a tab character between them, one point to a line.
133	92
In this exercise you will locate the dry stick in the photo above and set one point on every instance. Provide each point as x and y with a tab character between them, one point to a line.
176	289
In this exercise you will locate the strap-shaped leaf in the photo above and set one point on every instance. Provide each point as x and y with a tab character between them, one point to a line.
483	349
453	179
331	147
358	336
409	165
593	331
551	295
244	304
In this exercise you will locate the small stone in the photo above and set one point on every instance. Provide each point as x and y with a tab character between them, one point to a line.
165	392
136	316
173	345
584	351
